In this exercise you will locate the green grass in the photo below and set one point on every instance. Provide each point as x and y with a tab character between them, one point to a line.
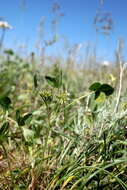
54	133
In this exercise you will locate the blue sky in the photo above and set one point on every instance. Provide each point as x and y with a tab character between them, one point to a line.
76	26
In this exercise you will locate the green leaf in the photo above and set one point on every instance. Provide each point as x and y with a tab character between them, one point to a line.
98	88
95	86
17	115
4	128
22	120
4	132
5	102
35	81
107	89
52	81
101	98
19	119
97	94
9	52
27	117
28	134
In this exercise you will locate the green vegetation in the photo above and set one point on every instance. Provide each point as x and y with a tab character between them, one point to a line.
61	128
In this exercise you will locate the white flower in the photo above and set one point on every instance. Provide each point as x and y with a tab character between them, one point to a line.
5	25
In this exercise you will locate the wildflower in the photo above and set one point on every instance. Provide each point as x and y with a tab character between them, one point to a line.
5	25
46	96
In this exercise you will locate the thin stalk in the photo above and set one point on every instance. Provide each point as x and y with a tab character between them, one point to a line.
2	38
48	128
120	86
33	181
87	102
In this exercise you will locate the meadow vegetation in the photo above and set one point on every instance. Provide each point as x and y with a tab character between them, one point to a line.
63	126
60	127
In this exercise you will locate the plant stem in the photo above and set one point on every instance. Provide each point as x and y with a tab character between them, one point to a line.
2	38
48	129
120	86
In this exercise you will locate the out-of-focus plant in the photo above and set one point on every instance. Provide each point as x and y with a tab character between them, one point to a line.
4	25
103	22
